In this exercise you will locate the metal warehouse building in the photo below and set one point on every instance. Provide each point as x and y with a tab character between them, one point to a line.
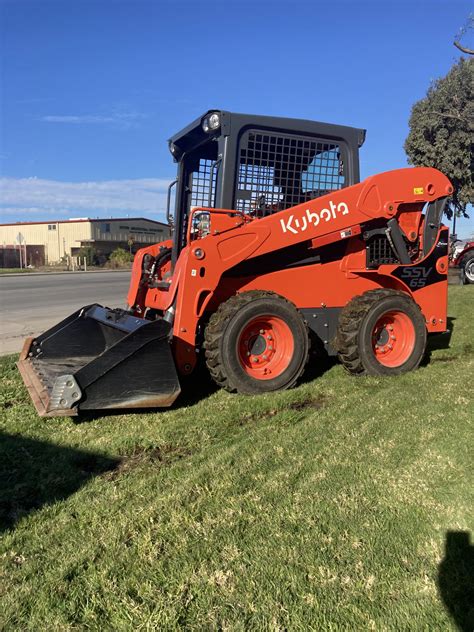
43	243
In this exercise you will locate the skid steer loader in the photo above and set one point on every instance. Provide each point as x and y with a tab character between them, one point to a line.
275	244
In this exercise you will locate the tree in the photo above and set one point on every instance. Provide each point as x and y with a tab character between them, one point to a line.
441	132
469	26
120	258
89	252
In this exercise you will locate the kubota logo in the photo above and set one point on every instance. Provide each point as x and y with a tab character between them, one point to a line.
300	224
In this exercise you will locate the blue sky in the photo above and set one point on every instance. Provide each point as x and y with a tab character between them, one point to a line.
92	89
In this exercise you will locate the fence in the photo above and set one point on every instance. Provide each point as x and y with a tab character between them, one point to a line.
15	256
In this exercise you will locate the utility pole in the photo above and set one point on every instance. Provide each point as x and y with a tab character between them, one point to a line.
19	239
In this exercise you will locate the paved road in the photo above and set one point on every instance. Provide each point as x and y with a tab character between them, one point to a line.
30	304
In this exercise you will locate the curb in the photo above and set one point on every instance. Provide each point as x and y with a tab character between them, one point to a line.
31	274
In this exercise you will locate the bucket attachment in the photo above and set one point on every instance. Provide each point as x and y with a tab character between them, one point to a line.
99	358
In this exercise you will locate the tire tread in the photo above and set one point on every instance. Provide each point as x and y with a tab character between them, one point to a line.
216	327
350	321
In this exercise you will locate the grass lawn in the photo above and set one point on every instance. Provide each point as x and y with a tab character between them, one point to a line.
326	507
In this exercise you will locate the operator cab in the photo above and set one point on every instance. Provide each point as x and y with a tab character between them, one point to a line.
257	165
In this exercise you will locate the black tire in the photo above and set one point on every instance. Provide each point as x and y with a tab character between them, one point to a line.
223	342
467	264
360	322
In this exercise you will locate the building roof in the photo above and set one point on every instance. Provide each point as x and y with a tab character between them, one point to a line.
87	219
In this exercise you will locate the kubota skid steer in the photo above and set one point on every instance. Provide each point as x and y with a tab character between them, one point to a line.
275	243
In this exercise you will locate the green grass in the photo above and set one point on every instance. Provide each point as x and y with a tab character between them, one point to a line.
326	507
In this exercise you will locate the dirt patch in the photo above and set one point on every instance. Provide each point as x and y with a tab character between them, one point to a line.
315	402
159	456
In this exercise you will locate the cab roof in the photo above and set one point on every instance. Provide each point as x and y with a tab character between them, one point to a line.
232	123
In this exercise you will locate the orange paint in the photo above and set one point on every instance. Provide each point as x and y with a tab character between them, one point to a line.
206	271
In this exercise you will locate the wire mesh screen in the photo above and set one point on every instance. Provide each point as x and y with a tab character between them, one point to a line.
277	171
379	252
202	192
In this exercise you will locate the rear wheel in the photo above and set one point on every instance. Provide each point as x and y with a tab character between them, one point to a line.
381	332
468	264
256	342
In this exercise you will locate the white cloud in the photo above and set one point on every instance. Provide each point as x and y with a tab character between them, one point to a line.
124	120
30	210
78	119
24	196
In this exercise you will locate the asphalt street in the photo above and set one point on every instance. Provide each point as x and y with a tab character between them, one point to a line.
31	303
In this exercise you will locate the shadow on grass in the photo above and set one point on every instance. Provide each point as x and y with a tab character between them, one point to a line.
36	473
439	341
456	579
317	366
198	387
194	389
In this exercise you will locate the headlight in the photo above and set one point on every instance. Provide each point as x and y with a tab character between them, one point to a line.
214	121
176	152
211	122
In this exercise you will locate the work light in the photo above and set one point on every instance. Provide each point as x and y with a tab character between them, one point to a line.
214	121
211	122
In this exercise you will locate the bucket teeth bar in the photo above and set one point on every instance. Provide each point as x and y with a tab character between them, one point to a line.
45	404
99	358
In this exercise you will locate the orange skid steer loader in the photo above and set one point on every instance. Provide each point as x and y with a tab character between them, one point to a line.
276	244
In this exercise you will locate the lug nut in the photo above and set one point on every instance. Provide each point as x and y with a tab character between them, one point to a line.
269	338
262	331
264	357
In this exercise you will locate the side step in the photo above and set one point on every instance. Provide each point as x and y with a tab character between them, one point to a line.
99	358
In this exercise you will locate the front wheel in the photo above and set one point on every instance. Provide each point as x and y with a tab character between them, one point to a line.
381	332
256	342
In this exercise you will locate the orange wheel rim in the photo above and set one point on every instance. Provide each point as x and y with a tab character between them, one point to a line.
265	347
393	339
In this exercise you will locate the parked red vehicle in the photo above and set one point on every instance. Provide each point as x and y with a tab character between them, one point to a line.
465	260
